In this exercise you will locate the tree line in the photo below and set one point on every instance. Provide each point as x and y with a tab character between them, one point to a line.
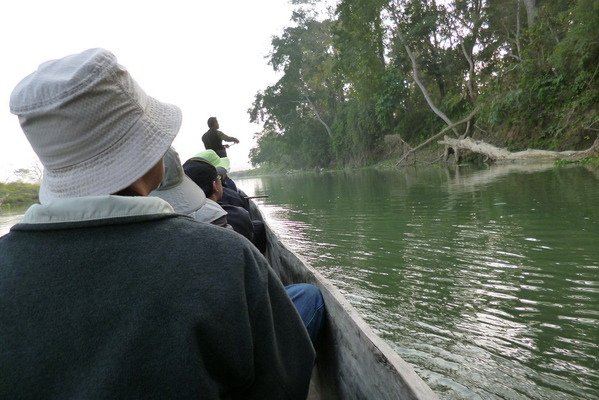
366	73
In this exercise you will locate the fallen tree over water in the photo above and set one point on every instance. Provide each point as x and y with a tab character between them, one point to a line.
453	126
500	155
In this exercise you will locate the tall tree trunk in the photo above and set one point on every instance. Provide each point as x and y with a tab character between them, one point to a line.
380	44
317	115
518	48
531	11
423	89
436	72
470	84
467	43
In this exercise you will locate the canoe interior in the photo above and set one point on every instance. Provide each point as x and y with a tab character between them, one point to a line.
352	361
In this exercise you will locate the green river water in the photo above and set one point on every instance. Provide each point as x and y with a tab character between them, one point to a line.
486	281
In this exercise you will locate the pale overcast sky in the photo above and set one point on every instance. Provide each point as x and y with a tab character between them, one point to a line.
207	57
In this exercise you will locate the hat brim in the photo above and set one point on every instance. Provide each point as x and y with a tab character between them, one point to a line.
185	198
123	163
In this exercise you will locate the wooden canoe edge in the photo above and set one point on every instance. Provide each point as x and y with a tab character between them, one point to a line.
353	362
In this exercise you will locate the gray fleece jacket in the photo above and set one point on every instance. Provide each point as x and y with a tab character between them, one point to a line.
113	297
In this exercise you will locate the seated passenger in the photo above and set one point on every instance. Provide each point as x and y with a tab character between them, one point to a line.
259	232
227	181
207	178
307	298
109	294
233	197
185	196
240	221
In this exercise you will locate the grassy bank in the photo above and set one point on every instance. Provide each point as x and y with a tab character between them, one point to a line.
267	171
432	155
17	195
593	161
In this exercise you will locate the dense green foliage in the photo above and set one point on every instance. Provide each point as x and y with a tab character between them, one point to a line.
530	68
17	195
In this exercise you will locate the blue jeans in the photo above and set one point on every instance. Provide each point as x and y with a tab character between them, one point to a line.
309	303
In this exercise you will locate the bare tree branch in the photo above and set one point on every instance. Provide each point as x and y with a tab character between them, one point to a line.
531	11
317	115
452	126
423	89
304	91
470	71
518	32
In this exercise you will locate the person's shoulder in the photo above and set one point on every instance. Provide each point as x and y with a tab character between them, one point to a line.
225	247
186	228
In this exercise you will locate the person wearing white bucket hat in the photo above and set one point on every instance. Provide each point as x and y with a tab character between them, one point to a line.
107	293
185	196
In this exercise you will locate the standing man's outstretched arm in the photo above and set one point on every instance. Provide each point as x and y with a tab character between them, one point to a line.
227	138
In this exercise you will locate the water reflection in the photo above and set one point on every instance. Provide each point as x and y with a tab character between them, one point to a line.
487	281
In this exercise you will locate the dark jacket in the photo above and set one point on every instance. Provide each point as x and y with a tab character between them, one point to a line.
213	140
154	307
240	221
234	198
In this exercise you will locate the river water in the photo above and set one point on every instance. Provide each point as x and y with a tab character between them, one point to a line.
486	281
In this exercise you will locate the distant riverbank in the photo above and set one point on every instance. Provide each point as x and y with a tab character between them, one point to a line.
424	159
20	195
17	195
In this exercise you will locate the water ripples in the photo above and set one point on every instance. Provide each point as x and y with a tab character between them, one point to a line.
486	297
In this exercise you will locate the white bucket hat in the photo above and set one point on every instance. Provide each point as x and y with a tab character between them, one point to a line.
177	189
93	128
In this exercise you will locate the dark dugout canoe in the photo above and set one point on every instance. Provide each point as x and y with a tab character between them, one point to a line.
352	361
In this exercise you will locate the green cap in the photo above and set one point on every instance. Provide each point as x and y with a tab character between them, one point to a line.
214	159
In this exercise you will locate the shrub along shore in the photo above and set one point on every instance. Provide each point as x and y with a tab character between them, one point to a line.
17	195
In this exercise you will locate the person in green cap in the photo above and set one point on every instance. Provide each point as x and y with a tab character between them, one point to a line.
231	195
213	158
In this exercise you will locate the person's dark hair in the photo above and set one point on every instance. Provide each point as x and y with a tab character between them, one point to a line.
202	173
211	122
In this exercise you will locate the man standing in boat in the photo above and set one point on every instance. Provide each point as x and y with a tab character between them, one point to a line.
213	138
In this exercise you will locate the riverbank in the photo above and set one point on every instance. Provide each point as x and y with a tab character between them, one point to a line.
17	195
430	155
